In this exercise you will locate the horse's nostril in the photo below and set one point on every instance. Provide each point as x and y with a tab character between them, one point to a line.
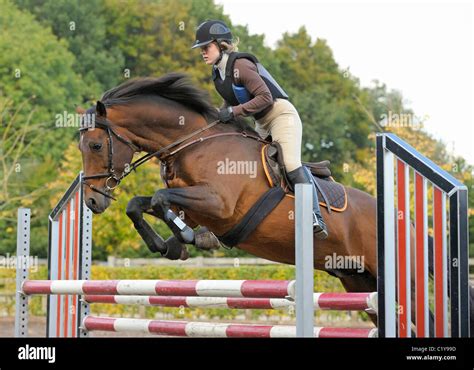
91	202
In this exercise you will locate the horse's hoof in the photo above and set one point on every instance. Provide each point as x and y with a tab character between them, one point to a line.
184	254
175	249
206	240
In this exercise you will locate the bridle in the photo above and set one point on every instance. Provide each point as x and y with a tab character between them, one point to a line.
161	154
110	175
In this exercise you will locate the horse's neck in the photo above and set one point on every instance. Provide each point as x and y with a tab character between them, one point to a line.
155	126
153	132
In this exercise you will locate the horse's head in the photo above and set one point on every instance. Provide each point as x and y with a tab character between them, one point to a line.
106	154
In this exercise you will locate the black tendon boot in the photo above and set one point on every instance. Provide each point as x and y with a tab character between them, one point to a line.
301	175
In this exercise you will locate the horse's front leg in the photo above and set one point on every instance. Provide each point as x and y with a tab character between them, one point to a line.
196	198
172	248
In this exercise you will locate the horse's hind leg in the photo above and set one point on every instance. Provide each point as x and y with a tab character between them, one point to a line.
367	283
360	283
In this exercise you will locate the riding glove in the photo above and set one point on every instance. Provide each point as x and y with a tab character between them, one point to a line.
225	114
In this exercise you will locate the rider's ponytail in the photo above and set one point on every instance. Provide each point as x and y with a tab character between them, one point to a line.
229	47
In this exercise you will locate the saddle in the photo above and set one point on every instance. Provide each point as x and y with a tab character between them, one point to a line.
331	194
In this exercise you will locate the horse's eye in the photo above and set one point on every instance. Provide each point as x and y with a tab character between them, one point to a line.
95	146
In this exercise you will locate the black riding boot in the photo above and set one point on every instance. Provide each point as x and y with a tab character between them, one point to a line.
302	175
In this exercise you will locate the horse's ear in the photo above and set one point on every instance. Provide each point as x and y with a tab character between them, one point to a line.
100	109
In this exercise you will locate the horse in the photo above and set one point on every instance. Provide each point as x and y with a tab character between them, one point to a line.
172	120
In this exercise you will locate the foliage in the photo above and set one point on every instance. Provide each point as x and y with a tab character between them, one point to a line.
83	26
37	81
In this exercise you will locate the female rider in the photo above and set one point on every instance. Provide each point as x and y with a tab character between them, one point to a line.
249	90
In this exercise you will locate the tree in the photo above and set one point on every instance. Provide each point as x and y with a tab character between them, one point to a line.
36	71
37	81
83	25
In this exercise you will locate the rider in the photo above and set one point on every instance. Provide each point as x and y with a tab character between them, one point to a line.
249	90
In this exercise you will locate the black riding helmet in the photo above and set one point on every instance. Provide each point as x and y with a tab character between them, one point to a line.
211	30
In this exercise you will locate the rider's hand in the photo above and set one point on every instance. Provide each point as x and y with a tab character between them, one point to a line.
225	114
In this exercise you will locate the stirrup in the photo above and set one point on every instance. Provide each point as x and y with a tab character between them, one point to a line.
319	228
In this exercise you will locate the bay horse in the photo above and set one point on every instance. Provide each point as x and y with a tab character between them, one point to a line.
158	115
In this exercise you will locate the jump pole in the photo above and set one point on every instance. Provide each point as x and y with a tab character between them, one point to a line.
304	261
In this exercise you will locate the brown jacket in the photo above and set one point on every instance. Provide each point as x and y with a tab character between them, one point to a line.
246	74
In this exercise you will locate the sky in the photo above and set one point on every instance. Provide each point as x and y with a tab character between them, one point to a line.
423	49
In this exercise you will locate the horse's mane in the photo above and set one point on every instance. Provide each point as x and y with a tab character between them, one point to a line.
174	86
